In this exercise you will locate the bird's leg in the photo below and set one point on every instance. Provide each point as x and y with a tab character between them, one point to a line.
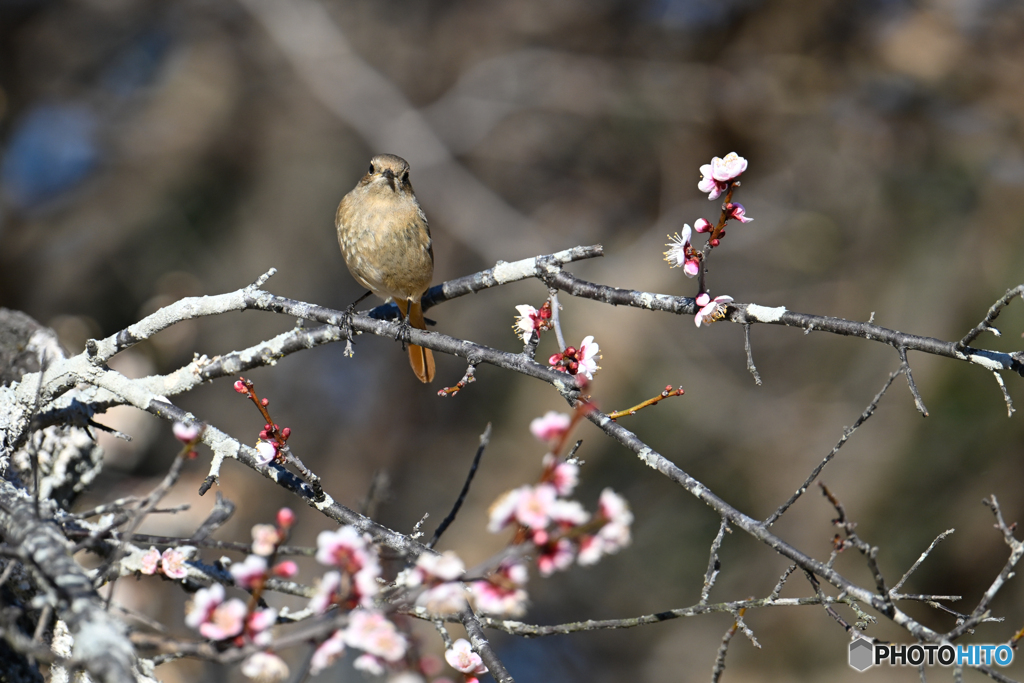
403	324
346	323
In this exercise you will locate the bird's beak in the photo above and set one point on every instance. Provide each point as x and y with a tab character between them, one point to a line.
390	175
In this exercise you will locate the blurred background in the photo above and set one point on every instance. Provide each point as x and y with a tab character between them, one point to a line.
150	151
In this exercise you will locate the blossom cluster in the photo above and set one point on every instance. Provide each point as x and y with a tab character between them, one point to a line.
560	529
721	175
573	361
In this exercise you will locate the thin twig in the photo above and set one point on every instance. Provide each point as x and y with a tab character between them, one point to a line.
750	355
714	565
667	393
847	433
716	671
993	313
1006	394
905	366
938	539
485	439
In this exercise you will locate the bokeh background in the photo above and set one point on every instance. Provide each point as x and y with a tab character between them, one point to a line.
150	151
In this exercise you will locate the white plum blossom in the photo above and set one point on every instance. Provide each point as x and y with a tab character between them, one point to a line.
265	538
589	353
503	510
445	598
184	432
446	567
327	653
266	451
265	667
681	253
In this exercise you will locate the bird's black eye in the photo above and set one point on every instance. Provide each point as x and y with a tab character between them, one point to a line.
371	169
405	177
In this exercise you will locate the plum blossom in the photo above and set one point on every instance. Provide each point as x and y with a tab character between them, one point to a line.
445	598
682	254
551	427
533	509
503	510
266	451
265	667
568	513
711	309
556	556
173	563
286	570
326	592
248	573
265	538
462	658
446	567
614	535
327	653
563	475
715	177
213	617
736	211
258	625
582	361
371	631
501	594
349	550
531	321
285	518
150	561
370	664
185	433
702	225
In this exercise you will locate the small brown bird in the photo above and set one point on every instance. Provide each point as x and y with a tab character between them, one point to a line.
385	240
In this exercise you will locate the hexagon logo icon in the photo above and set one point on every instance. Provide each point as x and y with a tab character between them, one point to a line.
861	654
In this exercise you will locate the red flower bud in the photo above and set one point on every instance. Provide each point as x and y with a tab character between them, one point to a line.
240	387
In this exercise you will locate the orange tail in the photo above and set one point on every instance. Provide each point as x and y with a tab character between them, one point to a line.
421	359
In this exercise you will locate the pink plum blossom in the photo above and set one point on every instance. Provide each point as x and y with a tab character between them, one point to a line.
462	658
285	518
715	177
614	535
371	631
248	573
736	211
551	427
501	594
711	309
214	618
556	556
731	166
327	653
173	563
563	476
184	432
347	548
702	225
265	667
259	624
286	570
150	561
534	507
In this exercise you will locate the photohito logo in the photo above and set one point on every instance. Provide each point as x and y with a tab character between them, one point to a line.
864	654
